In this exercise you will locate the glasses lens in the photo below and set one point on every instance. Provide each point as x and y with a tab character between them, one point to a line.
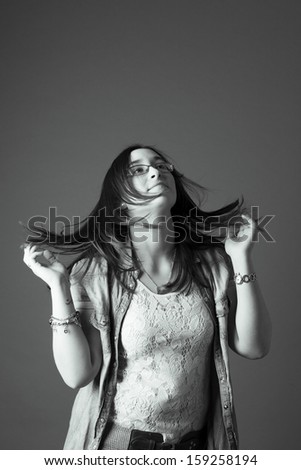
165	167
138	170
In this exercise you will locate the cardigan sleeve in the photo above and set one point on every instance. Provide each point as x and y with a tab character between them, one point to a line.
90	291
81	300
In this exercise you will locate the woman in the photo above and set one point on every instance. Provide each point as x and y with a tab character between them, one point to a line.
142	323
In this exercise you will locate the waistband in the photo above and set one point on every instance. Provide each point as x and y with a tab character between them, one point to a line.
117	437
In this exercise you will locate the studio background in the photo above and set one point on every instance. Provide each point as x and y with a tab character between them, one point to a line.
213	83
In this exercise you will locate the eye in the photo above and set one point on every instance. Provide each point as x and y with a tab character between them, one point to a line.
161	166
138	170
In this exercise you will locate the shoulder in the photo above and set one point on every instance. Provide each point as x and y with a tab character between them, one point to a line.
87	269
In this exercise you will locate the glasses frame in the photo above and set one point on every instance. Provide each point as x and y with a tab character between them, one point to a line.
169	167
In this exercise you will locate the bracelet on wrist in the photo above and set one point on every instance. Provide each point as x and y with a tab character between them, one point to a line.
244	278
73	314
72	319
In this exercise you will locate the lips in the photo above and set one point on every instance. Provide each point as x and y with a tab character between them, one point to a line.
158	184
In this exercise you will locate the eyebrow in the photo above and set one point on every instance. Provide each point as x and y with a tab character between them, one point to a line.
157	157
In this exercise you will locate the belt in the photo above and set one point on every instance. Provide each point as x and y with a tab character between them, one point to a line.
143	440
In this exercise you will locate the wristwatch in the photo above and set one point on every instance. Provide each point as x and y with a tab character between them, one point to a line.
240	279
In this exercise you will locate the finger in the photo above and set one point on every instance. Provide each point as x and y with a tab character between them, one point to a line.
248	218
35	254
30	259
23	246
34	265
231	233
26	255
26	247
32	254
252	224
29	262
50	256
34	248
31	247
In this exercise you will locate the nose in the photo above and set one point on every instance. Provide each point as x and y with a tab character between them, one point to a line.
153	172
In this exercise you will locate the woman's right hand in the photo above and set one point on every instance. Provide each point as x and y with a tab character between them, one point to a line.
48	268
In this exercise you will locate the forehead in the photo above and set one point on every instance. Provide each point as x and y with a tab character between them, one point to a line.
144	156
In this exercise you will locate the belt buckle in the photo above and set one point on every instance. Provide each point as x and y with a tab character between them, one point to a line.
143	440
167	446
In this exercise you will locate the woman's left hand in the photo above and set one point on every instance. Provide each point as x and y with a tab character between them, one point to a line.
240	242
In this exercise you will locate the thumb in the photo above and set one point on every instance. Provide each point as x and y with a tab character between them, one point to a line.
49	256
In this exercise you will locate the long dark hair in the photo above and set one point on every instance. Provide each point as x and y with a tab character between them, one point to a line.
105	232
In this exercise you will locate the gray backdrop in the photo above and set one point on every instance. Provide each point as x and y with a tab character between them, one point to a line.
215	84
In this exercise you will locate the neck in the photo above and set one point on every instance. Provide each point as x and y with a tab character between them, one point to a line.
153	242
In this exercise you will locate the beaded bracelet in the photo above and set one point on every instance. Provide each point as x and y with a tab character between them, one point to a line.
240	279
72	319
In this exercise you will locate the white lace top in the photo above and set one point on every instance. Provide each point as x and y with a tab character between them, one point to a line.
164	364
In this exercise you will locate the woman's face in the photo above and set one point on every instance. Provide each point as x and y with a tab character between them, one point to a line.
156	181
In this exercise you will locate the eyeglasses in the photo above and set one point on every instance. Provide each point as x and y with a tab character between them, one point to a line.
140	170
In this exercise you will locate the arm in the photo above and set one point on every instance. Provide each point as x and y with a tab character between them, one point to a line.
250	326
77	354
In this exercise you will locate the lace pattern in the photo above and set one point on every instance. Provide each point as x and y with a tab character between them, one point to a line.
164	370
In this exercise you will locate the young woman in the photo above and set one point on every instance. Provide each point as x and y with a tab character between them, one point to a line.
143	317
